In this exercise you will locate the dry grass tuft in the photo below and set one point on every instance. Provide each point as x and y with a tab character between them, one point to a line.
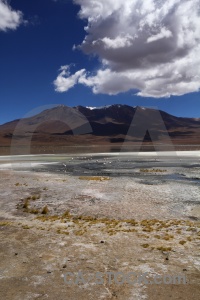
34	211
161	248
79	232
45	210
4	223
66	214
145	245
26	204
26	227
182	242
35	197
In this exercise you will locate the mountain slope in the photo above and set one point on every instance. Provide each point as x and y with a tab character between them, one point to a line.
80	125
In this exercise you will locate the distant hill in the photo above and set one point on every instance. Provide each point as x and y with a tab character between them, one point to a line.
109	125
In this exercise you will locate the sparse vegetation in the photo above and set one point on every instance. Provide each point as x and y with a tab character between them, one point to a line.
26	227
34	211
45	210
182	242
26	204
157	236
145	245
66	214
35	197
82	223
79	232
4	223
161	248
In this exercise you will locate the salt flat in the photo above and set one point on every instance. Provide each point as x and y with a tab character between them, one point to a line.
118	212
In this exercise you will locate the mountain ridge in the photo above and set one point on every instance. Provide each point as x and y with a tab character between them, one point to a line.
80	107
113	124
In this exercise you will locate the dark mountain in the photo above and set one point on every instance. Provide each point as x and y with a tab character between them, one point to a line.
112	124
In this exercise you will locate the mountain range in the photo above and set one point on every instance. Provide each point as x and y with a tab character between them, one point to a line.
109	125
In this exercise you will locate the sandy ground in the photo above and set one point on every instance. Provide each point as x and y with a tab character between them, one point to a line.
94	215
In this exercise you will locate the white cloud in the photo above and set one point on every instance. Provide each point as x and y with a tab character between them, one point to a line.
9	19
151	46
118	42
164	33
65	80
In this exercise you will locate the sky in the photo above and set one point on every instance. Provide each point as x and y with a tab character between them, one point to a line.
99	52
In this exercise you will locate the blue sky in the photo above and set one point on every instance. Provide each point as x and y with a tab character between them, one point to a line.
33	51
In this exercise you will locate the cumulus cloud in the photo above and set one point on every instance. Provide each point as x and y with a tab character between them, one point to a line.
9	18
149	46
65	80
